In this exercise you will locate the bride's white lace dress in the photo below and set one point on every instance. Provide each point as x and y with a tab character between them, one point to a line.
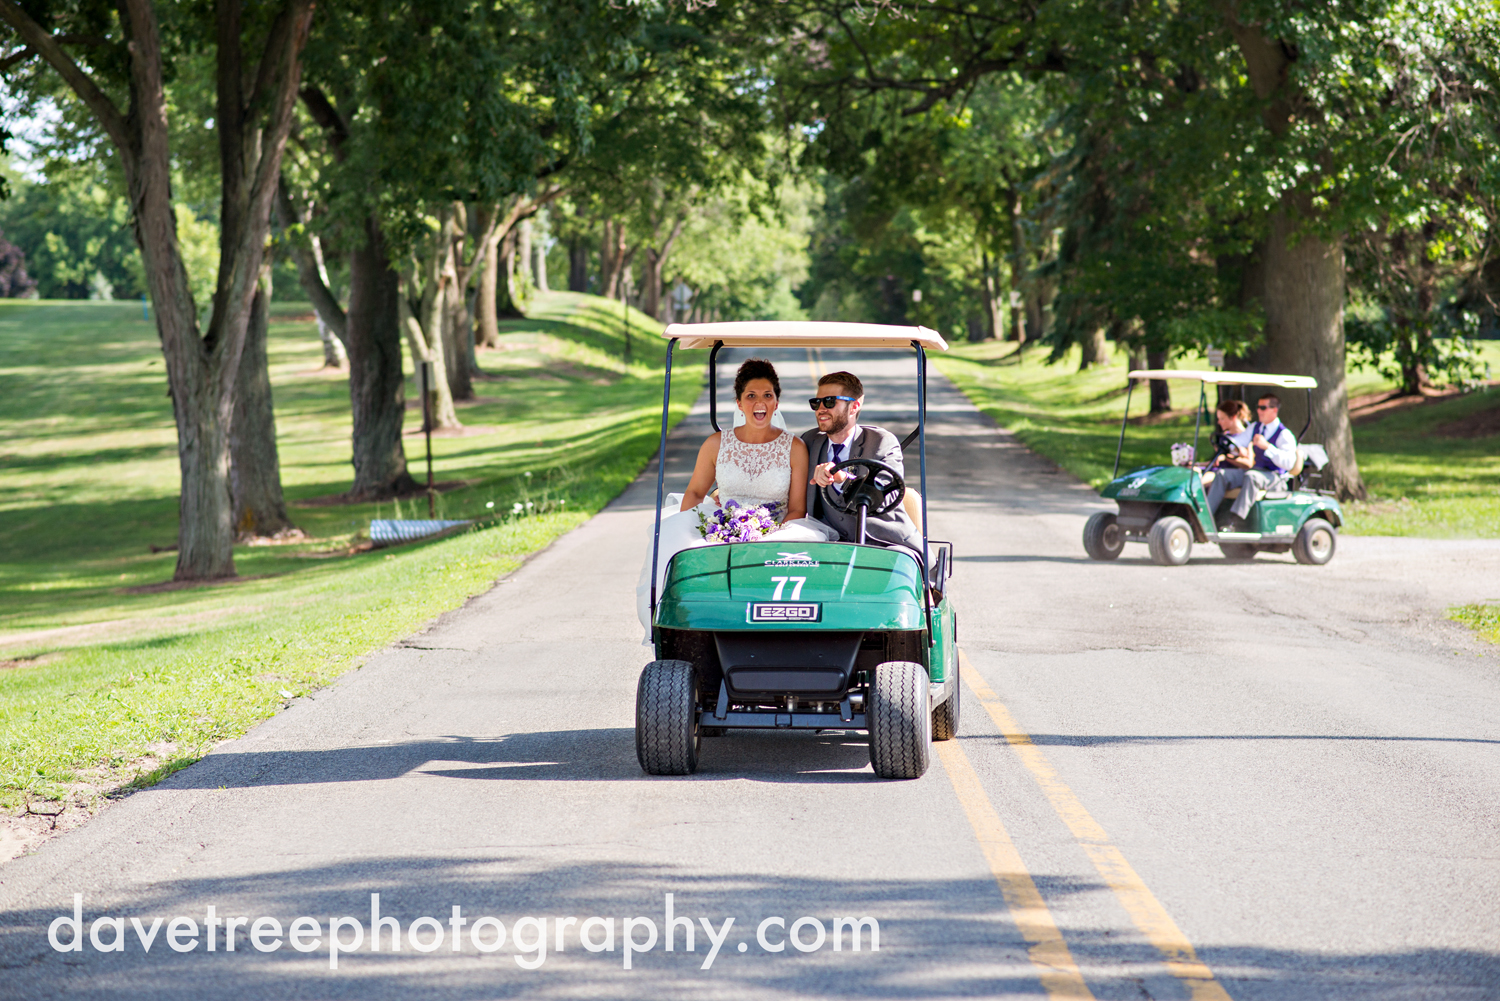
749	474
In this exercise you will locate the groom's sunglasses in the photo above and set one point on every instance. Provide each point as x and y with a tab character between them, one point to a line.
828	402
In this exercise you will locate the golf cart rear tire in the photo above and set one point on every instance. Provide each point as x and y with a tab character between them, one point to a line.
1316	543
666	718
1103	539
1238	551
900	720
945	715
1170	542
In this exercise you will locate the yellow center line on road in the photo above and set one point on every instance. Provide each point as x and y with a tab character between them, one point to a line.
1045	944
815	366
1140	903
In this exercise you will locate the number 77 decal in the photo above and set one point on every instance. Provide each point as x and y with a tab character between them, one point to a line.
781	584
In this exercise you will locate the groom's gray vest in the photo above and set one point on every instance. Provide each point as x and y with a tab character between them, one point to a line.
894	528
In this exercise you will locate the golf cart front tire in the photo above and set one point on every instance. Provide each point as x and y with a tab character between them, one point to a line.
666	718
1316	543
900	720
1103	539
1170	541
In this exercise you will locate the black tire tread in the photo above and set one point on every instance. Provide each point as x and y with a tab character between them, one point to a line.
1302	554
945	716
1093	537
1156	541
666	724
899	720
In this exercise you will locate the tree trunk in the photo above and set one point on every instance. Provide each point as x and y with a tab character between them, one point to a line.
656	263
254	469
440	396
457	336
1414	377
488	334
1161	391
1302	273
1018	283
1035	321
989	290
540	250
1304	303
505	284
1095	350
307	254
578	264
616	260
376	383
525	280
334	353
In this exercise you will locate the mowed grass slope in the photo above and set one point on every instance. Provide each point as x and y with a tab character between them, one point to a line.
1424	477
97	669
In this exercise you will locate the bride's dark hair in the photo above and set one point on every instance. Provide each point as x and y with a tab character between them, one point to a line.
756	368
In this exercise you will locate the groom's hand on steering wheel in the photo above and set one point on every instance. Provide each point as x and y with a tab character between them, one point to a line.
823	474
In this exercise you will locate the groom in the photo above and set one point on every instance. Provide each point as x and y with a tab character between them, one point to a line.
837	438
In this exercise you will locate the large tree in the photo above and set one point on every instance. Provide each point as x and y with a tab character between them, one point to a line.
118	62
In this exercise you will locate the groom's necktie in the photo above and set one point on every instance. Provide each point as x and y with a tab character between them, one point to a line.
835	450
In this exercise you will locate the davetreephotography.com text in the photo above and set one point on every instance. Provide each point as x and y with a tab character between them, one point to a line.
529	939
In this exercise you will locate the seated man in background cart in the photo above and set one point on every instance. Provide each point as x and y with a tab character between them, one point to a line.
1275	451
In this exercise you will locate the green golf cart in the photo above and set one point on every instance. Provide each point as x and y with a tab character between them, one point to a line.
811	636
1166	507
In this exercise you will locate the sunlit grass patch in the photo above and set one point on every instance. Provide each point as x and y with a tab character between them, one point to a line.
1483	619
1423	478
97	669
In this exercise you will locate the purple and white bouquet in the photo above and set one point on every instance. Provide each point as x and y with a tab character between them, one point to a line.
735	522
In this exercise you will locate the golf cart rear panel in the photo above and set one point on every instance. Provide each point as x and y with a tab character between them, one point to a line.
826	609
819	587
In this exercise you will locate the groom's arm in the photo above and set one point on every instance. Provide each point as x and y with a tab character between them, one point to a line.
888	450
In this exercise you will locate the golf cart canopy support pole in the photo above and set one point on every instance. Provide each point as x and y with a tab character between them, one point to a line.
1129	388
922	474
1198	417
661	468
713	385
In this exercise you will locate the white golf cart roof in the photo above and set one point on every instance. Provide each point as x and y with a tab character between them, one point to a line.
803	334
1228	378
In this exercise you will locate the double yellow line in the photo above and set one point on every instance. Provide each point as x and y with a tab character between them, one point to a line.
816	367
1048	949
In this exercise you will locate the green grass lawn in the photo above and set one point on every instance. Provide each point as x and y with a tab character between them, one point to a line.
1484	619
1422	481
96	672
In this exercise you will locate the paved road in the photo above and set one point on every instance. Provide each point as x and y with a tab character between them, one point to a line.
1260	781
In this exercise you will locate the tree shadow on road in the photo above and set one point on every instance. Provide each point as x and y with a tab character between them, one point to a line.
939	937
606	754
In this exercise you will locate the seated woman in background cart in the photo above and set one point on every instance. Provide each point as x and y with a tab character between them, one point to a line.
1232	441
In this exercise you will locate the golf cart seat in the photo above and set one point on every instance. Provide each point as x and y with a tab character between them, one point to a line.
1280	486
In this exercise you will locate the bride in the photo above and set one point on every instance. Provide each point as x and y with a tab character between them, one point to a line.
755	463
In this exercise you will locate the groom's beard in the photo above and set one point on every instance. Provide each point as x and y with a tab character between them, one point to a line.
837	423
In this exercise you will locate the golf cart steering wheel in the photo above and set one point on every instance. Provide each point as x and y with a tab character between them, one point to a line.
874	484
